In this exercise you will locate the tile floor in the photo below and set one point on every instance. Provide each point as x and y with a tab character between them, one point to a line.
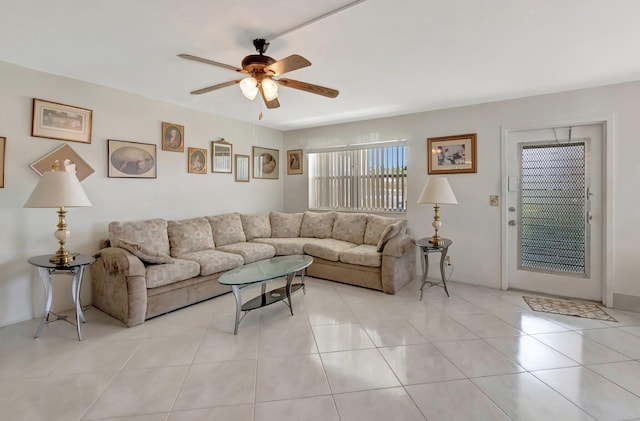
347	354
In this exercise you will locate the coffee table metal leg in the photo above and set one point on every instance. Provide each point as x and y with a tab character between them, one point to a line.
236	294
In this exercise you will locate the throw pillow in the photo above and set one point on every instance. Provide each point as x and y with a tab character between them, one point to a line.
389	232
317	225
143	253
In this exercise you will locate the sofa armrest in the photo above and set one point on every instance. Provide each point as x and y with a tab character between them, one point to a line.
399	245
119	285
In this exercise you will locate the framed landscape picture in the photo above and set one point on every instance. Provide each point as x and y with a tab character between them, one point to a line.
172	137
221	156
131	159
58	121
3	146
197	161
452	154
294	161
242	167
67	157
265	163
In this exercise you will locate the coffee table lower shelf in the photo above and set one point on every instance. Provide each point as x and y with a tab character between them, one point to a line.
270	297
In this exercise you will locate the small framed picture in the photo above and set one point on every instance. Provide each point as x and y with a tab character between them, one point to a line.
63	122
294	161
68	158
452	154
131	159
265	163
221	156
242	168
3	146
172	137
197	161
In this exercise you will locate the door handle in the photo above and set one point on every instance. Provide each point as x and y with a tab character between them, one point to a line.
512	223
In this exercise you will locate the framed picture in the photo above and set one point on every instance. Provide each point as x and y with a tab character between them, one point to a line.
131	159
221	156
59	121
197	161
172	137
242	167
68	158
294	161
3	145
452	154
265	163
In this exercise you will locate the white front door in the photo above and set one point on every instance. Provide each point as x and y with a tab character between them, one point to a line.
554	211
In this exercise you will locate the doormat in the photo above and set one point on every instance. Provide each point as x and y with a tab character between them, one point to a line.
568	308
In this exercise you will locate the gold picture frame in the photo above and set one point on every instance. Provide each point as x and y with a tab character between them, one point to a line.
3	148
131	159
172	137
294	162
266	163
241	166
53	120
221	156
66	156
452	154
197	161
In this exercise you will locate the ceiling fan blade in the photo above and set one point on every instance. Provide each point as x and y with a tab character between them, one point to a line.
287	64
214	87
214	63
274	103
309	87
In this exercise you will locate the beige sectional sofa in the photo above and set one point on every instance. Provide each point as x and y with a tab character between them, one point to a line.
151	267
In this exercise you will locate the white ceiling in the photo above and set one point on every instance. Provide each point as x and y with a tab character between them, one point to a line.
385	57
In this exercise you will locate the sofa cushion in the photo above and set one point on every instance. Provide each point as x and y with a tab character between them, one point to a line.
214	261
285	225
328	249
226	229
317	224
376	226
179	270
256	226
349	227
250	252
363	255
151	233
143	253
286	246
189	235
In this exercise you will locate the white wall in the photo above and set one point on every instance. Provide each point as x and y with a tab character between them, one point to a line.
475	226
117	115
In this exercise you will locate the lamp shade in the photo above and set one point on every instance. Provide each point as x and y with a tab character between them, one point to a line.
270	89
437	190
249	87
58	189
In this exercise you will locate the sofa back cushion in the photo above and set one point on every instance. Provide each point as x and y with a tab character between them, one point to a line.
285	225
256	226
349	227
227	229
317	224
189	235
150	233
376	226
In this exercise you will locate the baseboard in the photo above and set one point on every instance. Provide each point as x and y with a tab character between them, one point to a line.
626	302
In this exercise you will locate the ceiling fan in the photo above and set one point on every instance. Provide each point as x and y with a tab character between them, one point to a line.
261	71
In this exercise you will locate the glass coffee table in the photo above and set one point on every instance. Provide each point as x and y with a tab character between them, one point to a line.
263	272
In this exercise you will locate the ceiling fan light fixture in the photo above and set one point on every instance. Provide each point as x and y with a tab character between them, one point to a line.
270	88
249	87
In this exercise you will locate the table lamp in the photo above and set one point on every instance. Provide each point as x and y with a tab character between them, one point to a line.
437	191
59	189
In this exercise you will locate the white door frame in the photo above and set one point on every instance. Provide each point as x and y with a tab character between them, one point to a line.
607	194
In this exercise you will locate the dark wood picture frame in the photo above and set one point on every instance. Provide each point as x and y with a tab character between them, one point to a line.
53	120
131	159
294	162
452	154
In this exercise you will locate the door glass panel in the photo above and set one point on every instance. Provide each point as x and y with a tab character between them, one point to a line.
553	225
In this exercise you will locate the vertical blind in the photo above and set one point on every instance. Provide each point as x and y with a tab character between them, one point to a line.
553	208
369	178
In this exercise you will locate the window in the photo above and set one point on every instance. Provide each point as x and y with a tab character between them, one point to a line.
367	178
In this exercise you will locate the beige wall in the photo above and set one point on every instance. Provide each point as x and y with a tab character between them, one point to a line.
118	115
477	227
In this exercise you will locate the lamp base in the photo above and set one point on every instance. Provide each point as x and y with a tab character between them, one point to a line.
437	241
62	258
